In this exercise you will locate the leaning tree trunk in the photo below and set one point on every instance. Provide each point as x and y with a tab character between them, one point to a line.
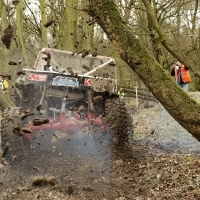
177	102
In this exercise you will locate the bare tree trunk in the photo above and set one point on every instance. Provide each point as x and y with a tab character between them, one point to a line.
68	44
55	27
128	6
156	43
178	103
178	21
194	19
75	24
44	21
19	16
4	25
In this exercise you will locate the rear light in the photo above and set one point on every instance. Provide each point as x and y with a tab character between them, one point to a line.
37	77
88	82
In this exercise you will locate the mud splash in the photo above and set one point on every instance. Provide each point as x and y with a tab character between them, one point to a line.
83	160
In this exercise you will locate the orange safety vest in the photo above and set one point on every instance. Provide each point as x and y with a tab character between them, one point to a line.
185	74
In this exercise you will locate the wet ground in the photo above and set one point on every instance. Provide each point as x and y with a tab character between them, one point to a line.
162	163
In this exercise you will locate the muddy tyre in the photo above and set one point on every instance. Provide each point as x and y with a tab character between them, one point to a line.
119	121
10	119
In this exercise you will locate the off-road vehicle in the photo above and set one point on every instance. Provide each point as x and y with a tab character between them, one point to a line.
65	92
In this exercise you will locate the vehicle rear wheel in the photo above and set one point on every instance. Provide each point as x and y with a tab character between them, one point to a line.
119	121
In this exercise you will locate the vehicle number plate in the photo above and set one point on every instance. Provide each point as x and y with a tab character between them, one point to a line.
65	81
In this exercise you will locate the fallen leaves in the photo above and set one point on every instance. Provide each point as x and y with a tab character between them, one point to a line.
47	58
85	53
88	188
15	2
81	109
40	121
25	114
7	37
85	67
70	190
38	107
36	168
70	70
49	23
97	99
17	130
26	130
20	72
2	161
44	181
5	150
12	63
95	53
14	157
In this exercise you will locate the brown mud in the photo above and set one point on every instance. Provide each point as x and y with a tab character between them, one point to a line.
162	162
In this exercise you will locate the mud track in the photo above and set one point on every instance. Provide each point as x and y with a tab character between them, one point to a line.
161	163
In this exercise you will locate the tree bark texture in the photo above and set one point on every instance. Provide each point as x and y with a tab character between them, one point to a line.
68	43
44	20
178	103
4	25
20	18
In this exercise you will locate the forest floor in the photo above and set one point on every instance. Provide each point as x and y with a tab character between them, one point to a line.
162	163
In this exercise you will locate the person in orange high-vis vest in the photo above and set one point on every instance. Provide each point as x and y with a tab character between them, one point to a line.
182	75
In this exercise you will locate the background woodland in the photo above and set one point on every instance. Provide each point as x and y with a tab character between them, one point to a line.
29	25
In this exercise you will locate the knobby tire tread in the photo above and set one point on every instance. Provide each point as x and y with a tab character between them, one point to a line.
119	121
